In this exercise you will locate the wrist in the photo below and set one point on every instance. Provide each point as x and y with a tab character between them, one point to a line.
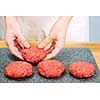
61	25
10	23
65	19
9	20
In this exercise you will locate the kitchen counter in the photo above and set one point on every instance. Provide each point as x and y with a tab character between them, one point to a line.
94	46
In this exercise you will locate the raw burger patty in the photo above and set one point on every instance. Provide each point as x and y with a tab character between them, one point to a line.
33	54
81	69
50	68
18	69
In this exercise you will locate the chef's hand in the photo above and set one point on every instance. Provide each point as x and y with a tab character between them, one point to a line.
56	37
14	39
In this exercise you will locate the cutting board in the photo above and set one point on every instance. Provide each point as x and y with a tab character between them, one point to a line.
66	56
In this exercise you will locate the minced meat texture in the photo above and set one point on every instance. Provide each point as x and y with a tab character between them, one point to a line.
33	54
81	69
18	69
50	68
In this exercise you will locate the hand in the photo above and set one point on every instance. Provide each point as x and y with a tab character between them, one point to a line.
14	38
55	41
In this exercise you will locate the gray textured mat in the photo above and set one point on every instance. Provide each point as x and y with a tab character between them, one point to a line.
66	56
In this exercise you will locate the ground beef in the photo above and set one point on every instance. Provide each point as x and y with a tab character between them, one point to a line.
50	68
18	69
33	54
81	69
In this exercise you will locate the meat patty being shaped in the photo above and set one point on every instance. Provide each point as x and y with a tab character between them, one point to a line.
33	54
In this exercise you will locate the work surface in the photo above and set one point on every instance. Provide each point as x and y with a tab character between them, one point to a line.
66	56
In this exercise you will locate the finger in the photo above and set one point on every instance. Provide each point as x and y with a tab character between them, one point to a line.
54	52
12	46
18	44
22	41
44	42
50	49
13	42
15	52
10	41
49	45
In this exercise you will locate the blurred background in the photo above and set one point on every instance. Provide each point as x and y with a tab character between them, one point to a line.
81	28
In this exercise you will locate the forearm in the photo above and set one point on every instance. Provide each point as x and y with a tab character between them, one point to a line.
9	20
61	24
64	20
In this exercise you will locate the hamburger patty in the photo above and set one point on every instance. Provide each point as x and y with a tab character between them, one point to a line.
33	54
18	69
81	69
50	68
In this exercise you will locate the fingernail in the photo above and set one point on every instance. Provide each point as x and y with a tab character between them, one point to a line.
26	44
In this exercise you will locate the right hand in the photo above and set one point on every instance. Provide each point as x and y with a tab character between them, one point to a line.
14	38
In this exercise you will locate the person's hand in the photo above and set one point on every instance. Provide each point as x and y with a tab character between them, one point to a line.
55	41
14	39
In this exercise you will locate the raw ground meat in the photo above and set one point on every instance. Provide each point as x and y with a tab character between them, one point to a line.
81	69
18	69
50	68
33	54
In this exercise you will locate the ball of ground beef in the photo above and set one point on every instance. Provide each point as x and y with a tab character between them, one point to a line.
50	68
18	69
33	54
81	69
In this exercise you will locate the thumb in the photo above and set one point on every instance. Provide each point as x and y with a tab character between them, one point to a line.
23	41
44	42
